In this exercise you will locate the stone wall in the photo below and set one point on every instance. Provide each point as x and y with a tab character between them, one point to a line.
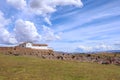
25	51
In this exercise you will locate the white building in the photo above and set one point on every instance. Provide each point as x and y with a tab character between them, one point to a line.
34	46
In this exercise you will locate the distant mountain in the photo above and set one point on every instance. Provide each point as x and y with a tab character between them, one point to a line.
113	51
80	52
108	51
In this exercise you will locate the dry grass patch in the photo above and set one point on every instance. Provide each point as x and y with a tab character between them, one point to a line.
29	68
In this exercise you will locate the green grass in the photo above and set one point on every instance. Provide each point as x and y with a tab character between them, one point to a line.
30	68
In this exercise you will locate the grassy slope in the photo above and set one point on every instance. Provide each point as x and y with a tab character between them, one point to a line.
29	68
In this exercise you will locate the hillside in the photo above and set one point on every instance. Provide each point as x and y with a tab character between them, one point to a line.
30	68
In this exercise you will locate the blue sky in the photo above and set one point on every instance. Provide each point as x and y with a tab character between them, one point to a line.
66	25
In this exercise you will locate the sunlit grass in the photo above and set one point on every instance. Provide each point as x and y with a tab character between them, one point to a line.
29	68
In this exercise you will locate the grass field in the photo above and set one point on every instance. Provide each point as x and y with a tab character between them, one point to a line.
31	68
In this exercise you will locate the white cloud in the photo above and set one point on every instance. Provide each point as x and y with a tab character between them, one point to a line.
5	35
47	20
26	31
3	21
100	47
84	48
18	4
49	35
41	7
49	6
103	47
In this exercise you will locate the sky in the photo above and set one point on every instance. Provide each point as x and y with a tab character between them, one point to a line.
65	25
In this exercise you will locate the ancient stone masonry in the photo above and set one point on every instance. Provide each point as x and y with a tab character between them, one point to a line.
25	51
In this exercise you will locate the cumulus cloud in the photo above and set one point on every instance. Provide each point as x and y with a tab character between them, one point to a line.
84	48
41	7
49	6
18	4
103	47
49	35
5	35
26	31
100	47
3	21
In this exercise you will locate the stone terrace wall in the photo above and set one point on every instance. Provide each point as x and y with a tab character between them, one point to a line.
24	51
